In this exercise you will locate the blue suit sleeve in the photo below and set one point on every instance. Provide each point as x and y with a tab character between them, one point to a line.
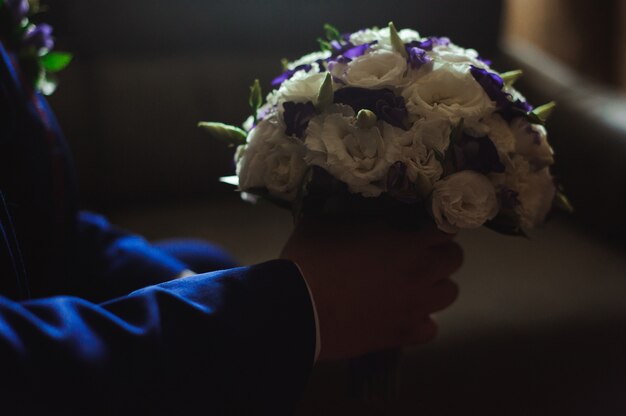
239	341
111	262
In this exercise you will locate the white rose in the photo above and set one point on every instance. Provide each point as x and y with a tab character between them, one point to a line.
453	54
376	69
448	93
382	37
309	59
302	87
271	160
465	199
535	189
423	168
536	194
500	133
531	141
435	134
365	36
358	157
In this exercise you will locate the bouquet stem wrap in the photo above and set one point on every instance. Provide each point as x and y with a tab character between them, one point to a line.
374	377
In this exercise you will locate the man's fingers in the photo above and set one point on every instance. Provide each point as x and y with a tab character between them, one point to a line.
437	298
437	263
448	257
423	330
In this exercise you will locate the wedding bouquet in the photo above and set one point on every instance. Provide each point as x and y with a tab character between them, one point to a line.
382	114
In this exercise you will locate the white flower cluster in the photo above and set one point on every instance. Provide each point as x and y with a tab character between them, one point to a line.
377	98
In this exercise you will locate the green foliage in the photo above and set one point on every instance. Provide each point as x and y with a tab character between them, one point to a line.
326	94
256	98
230	134
331	32
366	119
541	114
56	61
511	77
396	41
324	44
562	202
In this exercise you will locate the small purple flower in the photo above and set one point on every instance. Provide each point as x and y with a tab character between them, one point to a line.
509	199
429	43
348	50
276	82
426	44
384	103
40	37
297	117
398	184
492	84
417	57
18	9
356	51
478	154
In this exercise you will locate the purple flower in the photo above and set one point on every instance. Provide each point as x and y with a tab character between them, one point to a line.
440	40
297	117
40	37
276	82
356	51
384	103
428	44
417	57
493	86
345	52
398	184
478	154
18	9
485	61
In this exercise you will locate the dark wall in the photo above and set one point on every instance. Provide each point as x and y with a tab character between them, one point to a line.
146	71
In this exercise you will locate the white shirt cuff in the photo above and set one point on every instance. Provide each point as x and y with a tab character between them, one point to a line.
318	343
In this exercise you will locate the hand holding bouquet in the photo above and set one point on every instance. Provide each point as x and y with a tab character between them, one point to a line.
392	115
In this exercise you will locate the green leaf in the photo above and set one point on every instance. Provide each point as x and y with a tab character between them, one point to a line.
366	119
224	132
511	77
324	45
562	202
256	98
230	180
541	114
56	61
284	63
396	41
331	32
326	94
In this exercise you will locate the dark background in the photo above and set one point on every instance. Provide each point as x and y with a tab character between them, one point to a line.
145	72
